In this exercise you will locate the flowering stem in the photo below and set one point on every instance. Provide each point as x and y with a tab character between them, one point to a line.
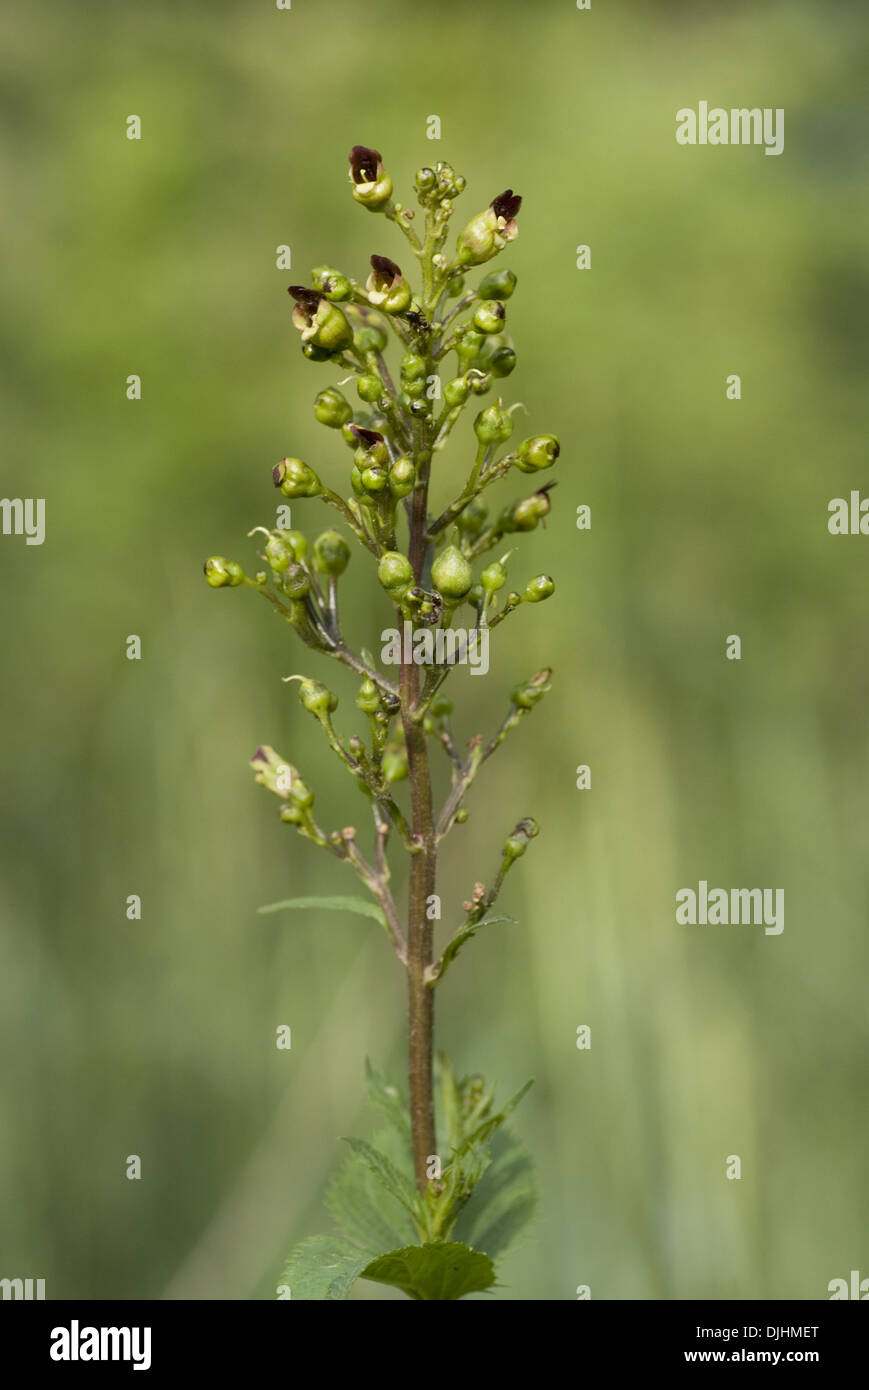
423	865
420	999
393	448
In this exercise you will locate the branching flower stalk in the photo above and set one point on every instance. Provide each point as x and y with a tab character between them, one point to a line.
424	550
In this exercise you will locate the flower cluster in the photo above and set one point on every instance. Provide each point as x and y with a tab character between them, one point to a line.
421	348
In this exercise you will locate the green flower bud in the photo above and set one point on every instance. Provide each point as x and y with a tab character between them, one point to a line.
498	284
420	409
386	287
272	772
452	574
489	316
470	343
461	815
490	231
494	577
456	392
494	424
317	699
296	582
519	840
222	573
331	553
296	479
538	589
370	338
375	478
455	285
476	595
356	481
292	814
450	184
472	520
402	477
526	513
502	361
368	698
281	551
321	324
394	764
537	453
371	186
414	390
370	388
395	573
527	693
297	542
278	553
332	408
412	367
331	283
425	180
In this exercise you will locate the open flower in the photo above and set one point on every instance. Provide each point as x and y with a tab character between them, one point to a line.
371	448
490	231
320	323
386	287
371	186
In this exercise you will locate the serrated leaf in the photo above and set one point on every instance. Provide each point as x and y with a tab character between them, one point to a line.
438	1271
471	1162
394	1181
323	1267
360	906
461	938
387	1099
504	1202
361	1205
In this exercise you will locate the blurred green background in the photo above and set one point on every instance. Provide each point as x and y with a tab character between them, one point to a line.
709	517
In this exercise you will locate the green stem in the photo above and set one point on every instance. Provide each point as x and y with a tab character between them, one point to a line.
423	864
420	943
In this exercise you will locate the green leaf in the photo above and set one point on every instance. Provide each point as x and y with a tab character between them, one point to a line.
386	1098
451	1100
461	938
395	1182
441	1270
489	1126
363	1208
323	1267
503	1203
361	906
